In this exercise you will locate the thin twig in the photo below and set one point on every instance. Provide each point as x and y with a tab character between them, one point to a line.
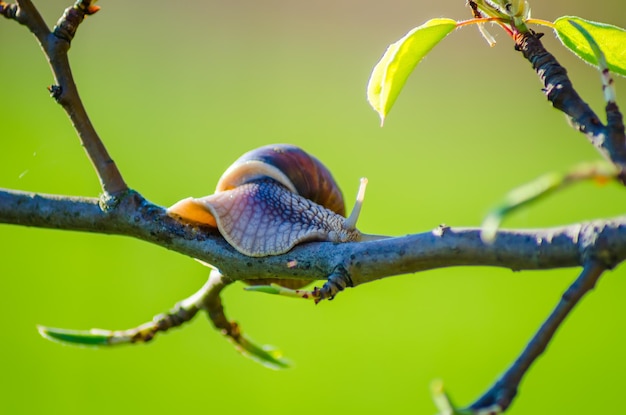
183	312
502	393
55	46
28	15
212	304
616	141
207	299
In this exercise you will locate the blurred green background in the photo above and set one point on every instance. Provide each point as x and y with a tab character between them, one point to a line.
178	91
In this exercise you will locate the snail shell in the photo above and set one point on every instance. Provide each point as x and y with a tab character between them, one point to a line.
271	199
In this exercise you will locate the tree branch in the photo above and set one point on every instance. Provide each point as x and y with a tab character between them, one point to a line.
55	46
363	262
610	140
598	245
502	393
25	13
567	246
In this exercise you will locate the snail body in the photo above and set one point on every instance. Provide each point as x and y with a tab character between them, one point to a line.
272	199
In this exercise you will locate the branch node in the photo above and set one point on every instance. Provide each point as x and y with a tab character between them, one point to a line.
595	248
72	18
8	10
109	202
441	230
55	92
337	281
86	7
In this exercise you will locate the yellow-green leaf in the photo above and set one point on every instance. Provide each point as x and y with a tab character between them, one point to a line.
611	40
400	58
600	171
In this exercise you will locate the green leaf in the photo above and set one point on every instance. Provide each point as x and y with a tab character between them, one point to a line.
611	40
76	337
444	404
541	187
400	58
268	356
276	289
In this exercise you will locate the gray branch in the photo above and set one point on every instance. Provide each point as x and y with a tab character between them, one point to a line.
501	394
55	45
609	139
568	246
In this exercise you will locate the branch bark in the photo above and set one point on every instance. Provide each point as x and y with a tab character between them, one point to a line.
530	249
127	213
502	393
597	245
609	139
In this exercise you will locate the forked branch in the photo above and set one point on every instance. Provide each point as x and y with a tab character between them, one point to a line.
530	249
55	45
609	139
597	245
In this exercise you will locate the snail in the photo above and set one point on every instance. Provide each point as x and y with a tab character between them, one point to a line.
272	199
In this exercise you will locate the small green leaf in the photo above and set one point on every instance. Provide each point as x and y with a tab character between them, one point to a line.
517	198
276	289
541	187
444	404
400	58
607	81
267	289
611	40
268	356
92	337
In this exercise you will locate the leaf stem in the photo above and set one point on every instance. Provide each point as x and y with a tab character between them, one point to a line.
479	20
541	22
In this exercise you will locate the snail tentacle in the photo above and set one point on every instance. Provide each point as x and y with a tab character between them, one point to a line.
350	222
